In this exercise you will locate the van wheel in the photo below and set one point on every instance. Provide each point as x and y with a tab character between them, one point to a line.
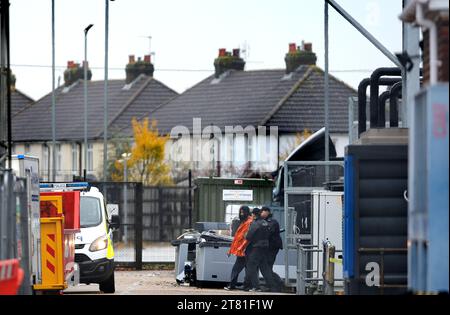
108	285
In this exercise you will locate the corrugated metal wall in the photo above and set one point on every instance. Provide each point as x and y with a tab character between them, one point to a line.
209	205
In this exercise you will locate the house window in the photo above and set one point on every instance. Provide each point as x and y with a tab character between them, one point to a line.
197	155
27	148
58	157
90	153
44	165
249	148
231	149
74	158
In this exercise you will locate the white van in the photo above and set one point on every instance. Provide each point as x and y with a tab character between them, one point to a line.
94	252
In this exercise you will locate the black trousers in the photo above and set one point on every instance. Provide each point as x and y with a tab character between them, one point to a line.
238	266
272	256
257	259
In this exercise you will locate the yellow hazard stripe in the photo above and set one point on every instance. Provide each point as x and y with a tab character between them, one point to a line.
336	260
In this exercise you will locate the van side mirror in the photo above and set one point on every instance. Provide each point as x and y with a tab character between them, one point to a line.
115	222
112	209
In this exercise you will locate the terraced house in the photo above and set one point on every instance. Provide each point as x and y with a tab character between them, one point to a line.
291	99
139	93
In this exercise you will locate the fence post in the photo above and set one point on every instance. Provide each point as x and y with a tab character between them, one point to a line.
138	224
301	270
160	213
325	260
330	270
190	199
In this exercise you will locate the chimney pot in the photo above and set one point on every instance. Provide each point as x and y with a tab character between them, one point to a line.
308	47
223	64
292	47
299	56
133	69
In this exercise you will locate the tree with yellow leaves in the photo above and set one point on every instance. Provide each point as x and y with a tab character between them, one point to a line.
299	138
146	163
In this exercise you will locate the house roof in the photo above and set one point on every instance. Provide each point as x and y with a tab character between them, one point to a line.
34	123
259	97
19	101
304	108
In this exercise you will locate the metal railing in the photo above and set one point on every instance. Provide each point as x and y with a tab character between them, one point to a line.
301	178
309	280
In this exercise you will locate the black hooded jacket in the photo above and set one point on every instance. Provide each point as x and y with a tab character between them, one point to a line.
258	233
275	241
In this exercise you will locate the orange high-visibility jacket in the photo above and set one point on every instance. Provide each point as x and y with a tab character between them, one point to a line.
239	243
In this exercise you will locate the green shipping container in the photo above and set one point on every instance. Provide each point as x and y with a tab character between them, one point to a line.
213	194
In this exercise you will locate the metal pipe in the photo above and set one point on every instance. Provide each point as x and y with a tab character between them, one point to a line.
327	94
287	228
86	30
364	32
374	90
300	163
190	198
411	85
53	96
125	197
105	97
362	100
382	109
396	90
8	84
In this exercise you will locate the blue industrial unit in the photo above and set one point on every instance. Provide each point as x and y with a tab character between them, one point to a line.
428	198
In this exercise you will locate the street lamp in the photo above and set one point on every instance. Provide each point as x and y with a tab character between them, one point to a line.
86	30
125	157
105	93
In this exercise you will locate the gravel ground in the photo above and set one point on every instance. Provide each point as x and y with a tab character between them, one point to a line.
152	282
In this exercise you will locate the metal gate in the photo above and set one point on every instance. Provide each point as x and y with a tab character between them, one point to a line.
301	178
150	217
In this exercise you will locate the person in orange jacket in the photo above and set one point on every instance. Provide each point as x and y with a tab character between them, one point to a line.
239	245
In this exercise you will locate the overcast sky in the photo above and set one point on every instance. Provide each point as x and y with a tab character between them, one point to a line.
186	36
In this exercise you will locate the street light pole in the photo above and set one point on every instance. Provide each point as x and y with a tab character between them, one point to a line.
105	105
327	95
86	30
125	158
53	158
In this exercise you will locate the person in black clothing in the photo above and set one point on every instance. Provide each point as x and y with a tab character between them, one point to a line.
275	243
257	253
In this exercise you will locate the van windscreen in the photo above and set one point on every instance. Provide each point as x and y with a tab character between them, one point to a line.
90	212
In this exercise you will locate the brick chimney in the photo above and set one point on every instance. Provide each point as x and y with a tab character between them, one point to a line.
227	61
135	68
74	72
298	56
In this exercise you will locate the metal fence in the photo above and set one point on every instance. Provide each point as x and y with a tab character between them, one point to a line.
150	218
301	178
14	224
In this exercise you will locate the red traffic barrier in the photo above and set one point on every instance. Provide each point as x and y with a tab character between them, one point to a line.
11	276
